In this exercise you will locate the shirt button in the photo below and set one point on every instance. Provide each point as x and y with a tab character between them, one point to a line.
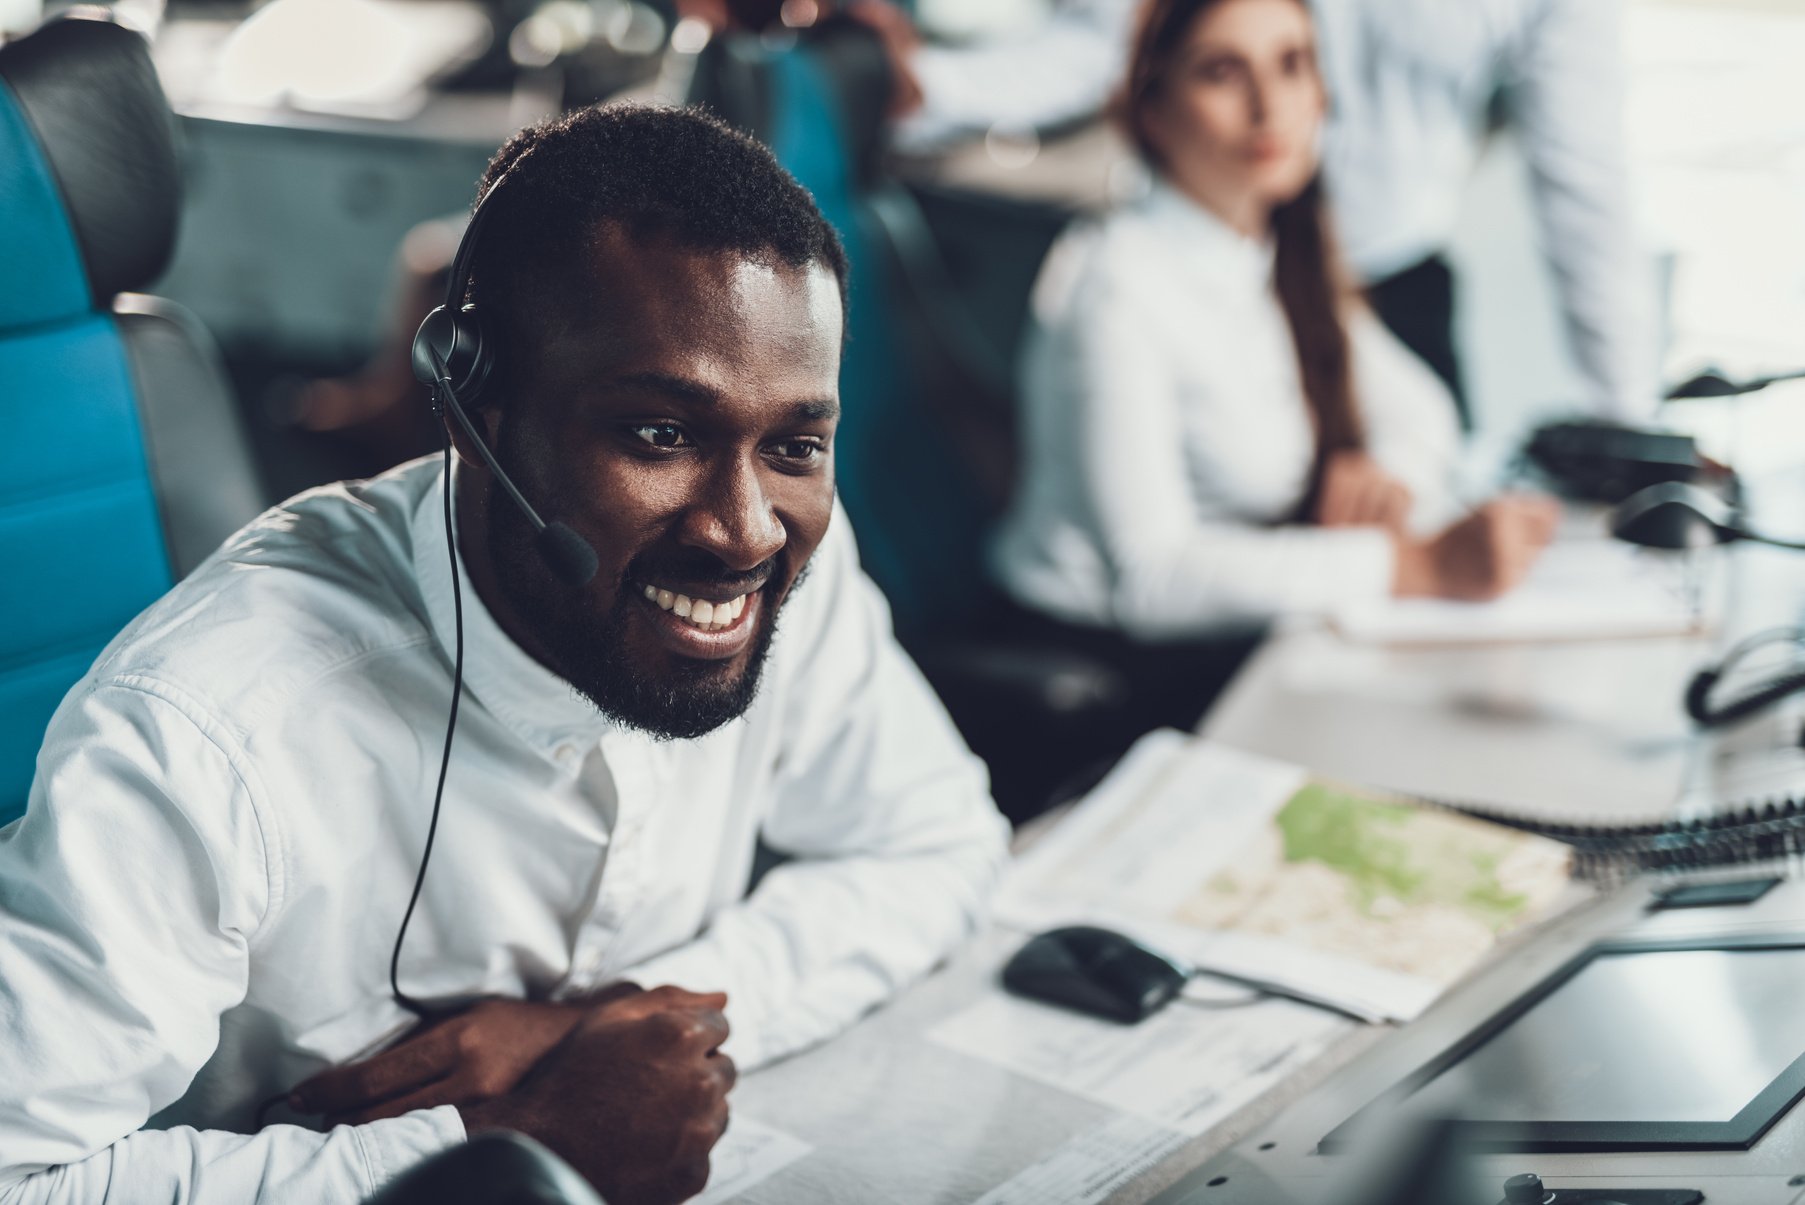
565	752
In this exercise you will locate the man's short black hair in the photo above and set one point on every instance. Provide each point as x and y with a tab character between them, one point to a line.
656	172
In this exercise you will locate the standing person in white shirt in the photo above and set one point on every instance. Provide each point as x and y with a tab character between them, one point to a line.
1216	431
199	908
1413	84
1416	86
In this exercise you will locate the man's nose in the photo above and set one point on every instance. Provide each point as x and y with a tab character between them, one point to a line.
733	518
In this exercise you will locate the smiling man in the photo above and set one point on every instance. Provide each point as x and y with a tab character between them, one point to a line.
198	911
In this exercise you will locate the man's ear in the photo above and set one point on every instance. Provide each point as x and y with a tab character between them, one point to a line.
485	420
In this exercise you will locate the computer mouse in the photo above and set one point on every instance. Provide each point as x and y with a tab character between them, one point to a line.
1095	971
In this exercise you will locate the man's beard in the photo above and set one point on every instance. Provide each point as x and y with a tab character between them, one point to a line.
690	698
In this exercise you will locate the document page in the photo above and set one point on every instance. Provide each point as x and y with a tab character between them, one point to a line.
1579	590
1186	1067
1089	1168
747	1153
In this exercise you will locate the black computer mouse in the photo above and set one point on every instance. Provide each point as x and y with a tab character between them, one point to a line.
1095	971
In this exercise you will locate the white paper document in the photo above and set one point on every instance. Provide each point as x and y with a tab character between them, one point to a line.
1172	809
747	1153
1087	1169
1579	590
1185	1068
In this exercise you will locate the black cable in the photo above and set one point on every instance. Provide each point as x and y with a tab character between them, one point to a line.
451	725
1757	698
438	796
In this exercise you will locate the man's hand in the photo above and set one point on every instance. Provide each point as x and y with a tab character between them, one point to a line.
1484	555
634	1098
1356	492
474	1055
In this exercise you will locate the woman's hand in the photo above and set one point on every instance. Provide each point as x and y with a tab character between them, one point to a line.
1356	492
1481	557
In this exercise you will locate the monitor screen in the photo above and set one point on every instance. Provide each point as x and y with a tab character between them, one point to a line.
1639	1036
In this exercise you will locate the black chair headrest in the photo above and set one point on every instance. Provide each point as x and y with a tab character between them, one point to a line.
89	92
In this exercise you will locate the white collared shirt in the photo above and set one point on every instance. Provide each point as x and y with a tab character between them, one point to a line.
197	910
1167	443
1411	85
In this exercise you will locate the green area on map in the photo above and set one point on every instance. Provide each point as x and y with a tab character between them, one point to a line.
1396	852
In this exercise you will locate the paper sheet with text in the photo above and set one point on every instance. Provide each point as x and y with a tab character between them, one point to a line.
1185	1067
747	1153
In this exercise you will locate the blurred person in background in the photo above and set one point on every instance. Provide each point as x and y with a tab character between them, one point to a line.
1216	430
1416	87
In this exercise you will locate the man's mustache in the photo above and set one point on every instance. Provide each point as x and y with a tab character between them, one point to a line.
702	571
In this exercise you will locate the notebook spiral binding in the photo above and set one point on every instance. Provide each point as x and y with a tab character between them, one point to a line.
1765	831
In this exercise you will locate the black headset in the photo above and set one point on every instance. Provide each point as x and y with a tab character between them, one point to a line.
455	355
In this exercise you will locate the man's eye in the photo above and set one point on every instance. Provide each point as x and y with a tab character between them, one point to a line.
800	451
661	435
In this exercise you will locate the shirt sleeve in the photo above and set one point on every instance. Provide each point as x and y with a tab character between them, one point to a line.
130	895
1567	88
1176	568
894	843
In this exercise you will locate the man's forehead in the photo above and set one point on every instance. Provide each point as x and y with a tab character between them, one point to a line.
642	294
738	327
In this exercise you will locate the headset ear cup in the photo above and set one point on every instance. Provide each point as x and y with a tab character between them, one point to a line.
462	346
476	357
435	334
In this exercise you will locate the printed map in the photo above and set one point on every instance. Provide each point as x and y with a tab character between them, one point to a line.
1391	884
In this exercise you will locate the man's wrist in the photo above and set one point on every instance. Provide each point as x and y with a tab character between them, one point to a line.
620	989
501	1113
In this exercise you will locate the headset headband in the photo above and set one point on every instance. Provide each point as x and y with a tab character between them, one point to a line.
458	284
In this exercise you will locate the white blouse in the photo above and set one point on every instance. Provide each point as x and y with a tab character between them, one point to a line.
1167	442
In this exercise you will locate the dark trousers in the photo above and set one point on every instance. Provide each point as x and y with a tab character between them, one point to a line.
1417	304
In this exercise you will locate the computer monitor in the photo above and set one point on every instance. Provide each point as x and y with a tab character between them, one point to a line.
1670	1046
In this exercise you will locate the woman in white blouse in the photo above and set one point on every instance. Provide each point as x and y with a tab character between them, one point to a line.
1216	430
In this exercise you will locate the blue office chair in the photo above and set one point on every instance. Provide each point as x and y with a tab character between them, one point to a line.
124	463
926	442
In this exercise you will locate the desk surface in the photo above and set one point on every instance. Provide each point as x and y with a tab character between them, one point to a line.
1593	728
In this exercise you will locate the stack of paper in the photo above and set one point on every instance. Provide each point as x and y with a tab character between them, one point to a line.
1579	590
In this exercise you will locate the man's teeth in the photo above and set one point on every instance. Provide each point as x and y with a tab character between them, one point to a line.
709	616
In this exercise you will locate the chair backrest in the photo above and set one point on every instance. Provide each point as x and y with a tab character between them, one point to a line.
99	509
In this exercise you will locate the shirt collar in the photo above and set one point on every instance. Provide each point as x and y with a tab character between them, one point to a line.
538	706
1205	240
